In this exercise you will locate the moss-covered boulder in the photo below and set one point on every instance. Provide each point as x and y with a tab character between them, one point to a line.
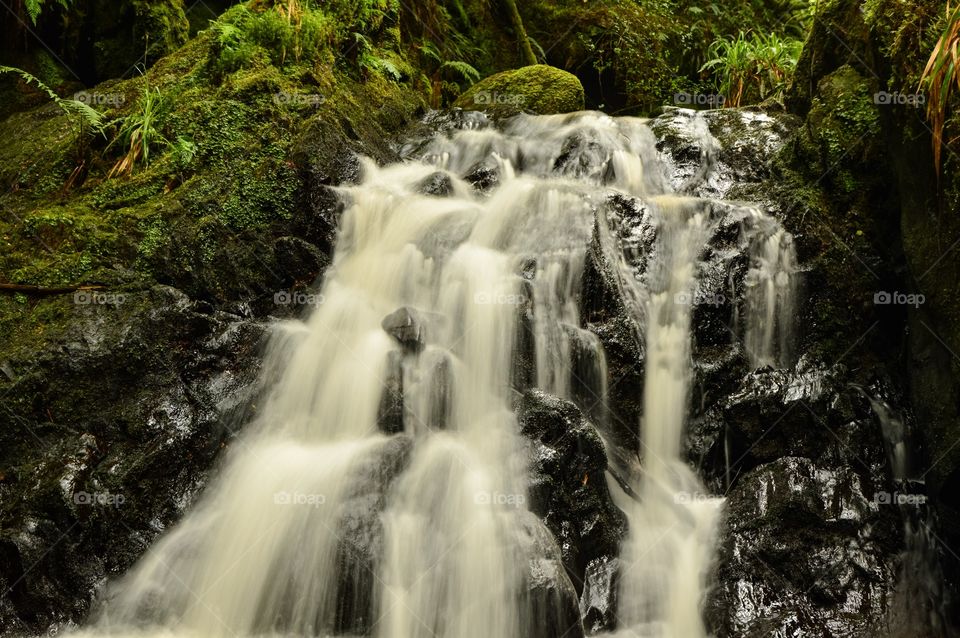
539	88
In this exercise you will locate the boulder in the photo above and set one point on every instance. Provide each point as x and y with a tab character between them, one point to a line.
568	489
406	325
539	88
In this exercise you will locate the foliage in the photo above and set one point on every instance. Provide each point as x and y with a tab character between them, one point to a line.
705	21
88	116
756	66
34	7
283	34
139	132
462	69
939	77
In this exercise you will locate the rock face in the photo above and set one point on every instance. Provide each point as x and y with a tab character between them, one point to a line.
568	489
112	431
361	535
551	599
840	584
540	89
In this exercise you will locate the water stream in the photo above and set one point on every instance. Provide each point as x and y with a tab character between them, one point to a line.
382	488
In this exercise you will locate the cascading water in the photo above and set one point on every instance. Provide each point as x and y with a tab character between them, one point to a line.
382	488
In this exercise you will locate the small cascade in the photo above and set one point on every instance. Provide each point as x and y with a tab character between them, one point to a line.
382	489
771	281
669	552
921	598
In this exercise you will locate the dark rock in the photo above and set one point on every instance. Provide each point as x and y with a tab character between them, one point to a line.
808	551
299	261
113	428
549	599
483	177
582	158
567	487
360	534
390	415
437	184
406	325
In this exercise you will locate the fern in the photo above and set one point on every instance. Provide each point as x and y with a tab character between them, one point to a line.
466	71
34	7
383	66
88	115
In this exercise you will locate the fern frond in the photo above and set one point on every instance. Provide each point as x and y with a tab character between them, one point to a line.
466	71
87	114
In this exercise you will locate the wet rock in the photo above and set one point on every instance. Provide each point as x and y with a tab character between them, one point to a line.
114	425
808	411
483	177
598	602
582	158
807	551
550	600
406	325
437	184
440	381
299	260
567	486
360	534
391	413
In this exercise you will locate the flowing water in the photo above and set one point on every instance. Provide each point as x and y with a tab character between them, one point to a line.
382	489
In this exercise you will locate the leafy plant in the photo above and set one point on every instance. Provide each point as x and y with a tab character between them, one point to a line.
731	59
939	77
756	66
464	70
183	150
139	132
34	7
88	116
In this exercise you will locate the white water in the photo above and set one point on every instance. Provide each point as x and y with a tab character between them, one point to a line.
668	554
771	284
262	553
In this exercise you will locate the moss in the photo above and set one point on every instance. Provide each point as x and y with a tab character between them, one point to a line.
538	89
843	129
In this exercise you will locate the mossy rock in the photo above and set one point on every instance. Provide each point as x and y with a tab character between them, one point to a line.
540	88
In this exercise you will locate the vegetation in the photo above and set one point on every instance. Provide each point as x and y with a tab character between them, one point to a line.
85	115
138	132
756	67
939	77
34	7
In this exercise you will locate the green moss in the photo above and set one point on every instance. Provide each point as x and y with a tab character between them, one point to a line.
538	89
843	129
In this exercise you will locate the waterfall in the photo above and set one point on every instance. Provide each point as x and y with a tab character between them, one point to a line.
381	490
